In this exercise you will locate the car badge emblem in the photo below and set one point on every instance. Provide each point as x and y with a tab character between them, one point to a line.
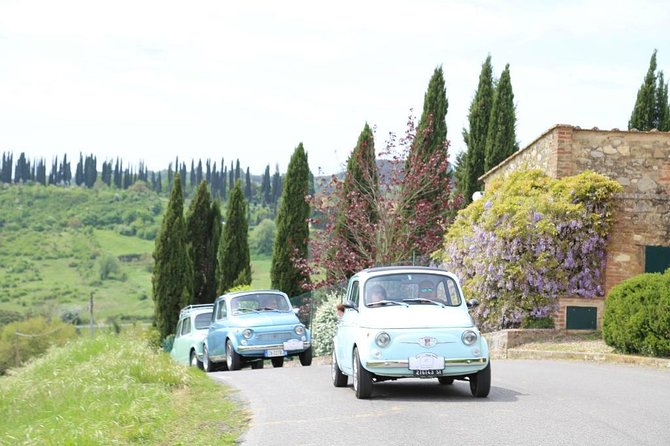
427	342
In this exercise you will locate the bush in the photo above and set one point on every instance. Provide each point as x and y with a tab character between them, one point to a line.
325	325
637	315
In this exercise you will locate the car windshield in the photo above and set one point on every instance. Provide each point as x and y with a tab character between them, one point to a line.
203	320
412	289
259	302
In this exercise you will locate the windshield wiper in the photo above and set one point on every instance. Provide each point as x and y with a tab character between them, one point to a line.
386	302
266	309
423	300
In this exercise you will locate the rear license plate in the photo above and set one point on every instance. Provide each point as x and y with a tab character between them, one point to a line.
436	372
274	352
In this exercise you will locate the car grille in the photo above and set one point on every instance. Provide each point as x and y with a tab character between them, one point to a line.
274	337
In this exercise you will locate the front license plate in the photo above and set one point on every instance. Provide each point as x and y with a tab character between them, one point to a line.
426	361
436	372
274	352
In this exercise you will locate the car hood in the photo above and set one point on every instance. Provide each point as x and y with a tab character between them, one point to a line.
267	318
415	316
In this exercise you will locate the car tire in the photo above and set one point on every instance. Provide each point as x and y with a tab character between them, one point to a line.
257	364
445	380
195	362
339	378
480	382
362	379
233	359
277	362
208	365
306	357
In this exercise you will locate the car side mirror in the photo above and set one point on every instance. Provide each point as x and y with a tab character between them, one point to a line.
350	304
472	303
296	311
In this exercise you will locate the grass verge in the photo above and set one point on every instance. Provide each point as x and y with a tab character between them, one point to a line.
114	390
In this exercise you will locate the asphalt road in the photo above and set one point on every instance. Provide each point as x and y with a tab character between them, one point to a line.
531	403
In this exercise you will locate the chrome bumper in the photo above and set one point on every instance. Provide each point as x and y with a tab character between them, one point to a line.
404	363
249	348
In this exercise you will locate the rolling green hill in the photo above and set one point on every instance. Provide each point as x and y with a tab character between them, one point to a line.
59	245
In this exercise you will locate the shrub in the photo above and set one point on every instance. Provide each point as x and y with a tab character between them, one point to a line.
108	266
637	315
325	325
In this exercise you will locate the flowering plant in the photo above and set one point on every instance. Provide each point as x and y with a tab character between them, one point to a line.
530	240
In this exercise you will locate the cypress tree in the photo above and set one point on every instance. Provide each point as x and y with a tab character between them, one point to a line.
233	254
203	229
79	171
173	271
643	114
247	185
662	111
292	228
266	189
471	166
431	133
501	137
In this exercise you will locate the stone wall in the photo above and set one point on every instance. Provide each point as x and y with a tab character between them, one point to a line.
639	161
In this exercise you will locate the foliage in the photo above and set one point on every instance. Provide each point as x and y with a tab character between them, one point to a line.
173	271
233	254
651	109
21	341
501	137
324	325
411	206
479	116
431	132
8	316
292	236
109	266
114	390
529	240
262	237
203	231
637	315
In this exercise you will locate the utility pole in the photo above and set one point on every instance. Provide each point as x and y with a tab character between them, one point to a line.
90	313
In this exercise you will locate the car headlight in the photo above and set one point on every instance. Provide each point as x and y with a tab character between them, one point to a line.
469	337
299	330
382	339
247	333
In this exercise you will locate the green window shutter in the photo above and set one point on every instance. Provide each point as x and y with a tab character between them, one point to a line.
581	318
656	259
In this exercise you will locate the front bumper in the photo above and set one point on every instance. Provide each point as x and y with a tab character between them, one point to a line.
261	348
399	368
404	363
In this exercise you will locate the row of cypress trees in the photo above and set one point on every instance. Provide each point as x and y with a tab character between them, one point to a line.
651	109
196	258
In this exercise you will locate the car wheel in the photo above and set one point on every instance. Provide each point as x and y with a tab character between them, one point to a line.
306	357
339	378
362	379
257	364
277	362
233	359
480	382
195	362
445	380
208	365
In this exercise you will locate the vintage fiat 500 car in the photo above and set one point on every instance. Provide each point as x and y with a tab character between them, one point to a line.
408	322
191	331
251	326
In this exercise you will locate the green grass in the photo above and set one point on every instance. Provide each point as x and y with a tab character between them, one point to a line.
260	272
114	390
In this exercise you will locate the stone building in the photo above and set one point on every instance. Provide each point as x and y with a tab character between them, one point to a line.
640	238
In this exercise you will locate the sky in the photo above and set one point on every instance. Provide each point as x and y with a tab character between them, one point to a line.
149	81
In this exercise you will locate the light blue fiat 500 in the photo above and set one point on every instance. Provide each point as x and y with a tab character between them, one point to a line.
250	326
408	322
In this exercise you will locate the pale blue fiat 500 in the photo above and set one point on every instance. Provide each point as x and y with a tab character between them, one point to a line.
248	327
408	322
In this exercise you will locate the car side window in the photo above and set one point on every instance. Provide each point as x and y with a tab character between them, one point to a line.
186	326
354	296
178	331
221	310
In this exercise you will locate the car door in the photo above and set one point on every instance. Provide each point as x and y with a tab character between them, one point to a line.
218	332
347	328
180	346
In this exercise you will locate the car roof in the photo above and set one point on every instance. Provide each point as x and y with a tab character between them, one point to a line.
384	270
243	293
192	309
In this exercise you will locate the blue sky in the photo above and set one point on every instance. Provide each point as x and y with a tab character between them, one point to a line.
153	80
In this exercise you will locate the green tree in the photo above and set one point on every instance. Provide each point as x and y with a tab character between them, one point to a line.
643	114
234	259
262	237
431	133
662	118
292	228
501	137
471	166
173	271
203	229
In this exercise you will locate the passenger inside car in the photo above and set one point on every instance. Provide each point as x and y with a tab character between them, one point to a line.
376	294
